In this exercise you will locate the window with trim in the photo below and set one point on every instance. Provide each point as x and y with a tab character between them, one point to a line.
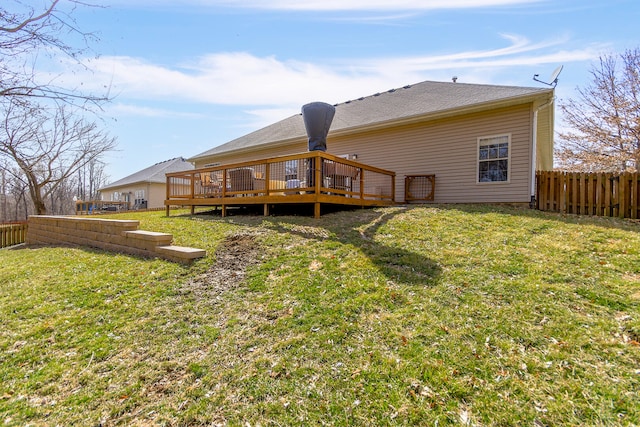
291	169
493	158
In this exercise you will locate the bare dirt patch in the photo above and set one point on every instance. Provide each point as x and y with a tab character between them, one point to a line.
232	258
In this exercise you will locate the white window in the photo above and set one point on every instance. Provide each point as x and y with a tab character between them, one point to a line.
291	169
494	155
115	197
139	194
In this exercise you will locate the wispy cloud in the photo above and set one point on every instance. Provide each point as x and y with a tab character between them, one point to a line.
520	52
122	109
374	17
356	5
266	86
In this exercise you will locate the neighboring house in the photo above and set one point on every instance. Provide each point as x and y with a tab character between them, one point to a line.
483	142
146	188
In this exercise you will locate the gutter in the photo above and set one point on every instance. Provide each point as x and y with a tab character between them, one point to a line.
534	151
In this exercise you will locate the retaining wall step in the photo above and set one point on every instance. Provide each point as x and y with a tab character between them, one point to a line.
181	252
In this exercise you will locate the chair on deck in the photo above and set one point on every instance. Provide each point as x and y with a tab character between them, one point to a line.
211	184
341	176
241	179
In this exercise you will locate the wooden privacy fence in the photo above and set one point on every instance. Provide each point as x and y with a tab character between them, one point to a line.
599	194
12	234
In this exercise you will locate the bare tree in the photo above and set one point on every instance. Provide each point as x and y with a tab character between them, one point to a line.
44	143
605	120
28	32
19	190
50	148
90	178
61	200
4	195
14	189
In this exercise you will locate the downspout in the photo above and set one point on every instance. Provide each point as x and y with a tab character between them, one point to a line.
534	151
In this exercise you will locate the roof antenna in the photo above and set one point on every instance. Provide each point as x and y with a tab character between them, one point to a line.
454	79
553	79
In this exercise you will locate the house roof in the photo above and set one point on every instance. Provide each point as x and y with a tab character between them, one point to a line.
412	102
153	174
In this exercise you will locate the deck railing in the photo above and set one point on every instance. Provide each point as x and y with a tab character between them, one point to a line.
312	177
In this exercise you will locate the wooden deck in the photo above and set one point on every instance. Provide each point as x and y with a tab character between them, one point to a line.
313	178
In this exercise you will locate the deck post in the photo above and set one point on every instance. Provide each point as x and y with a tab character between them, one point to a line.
193	209
316	210
318	165
224	186
393	188
167	194
266	209
192	184
361	184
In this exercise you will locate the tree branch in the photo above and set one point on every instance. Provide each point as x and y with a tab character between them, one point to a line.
31	20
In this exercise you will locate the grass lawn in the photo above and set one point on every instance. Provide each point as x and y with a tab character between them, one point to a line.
427	315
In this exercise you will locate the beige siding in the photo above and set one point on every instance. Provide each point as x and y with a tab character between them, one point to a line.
154	193
545	138
447	148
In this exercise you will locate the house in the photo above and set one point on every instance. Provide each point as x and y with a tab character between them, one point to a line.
145	189
482	142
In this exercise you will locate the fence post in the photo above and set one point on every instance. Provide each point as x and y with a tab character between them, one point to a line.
550	189
634	196
539	190
622	195
599	199
608	186
543	190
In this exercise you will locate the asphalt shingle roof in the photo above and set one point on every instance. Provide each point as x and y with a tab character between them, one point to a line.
153	174
421	99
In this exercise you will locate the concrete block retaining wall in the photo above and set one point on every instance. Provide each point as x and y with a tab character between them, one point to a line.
109	234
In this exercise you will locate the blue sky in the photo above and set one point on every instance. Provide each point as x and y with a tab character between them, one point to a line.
188	75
